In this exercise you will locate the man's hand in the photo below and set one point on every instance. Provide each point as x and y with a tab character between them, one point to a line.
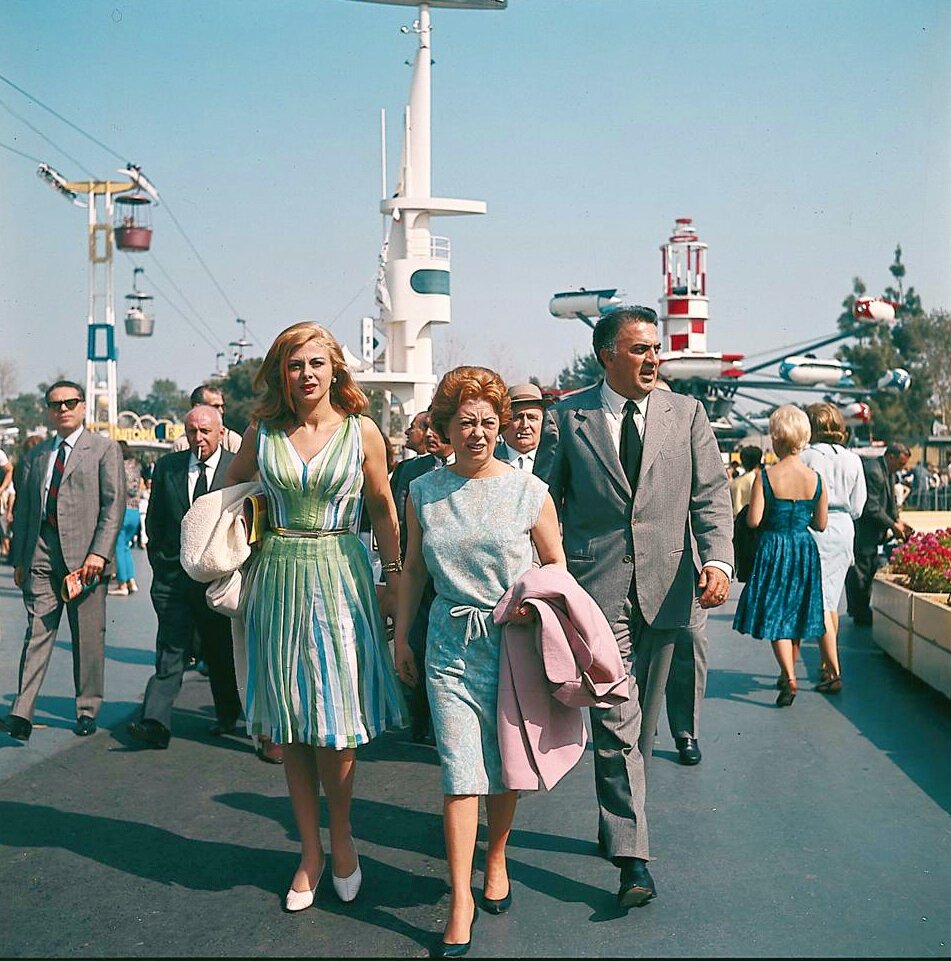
18	576
92	568
902	530
715	586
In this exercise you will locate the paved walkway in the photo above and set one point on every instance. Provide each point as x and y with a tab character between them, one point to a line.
821	830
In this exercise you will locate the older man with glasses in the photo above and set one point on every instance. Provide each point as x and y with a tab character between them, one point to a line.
68	512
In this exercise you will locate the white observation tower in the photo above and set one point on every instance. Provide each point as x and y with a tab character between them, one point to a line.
413	289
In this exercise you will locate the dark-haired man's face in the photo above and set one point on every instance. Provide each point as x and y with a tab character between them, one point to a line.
63	420
632	369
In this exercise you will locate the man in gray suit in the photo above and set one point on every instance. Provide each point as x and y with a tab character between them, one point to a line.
68	513
639	485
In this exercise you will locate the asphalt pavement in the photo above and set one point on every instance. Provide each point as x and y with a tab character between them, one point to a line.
821	830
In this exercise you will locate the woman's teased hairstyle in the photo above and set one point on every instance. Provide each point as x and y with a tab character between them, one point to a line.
469	383
274	407
789	429
827	422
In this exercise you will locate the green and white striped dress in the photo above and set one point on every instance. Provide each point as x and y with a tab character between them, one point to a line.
319	668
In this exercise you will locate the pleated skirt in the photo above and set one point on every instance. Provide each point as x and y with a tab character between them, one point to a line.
320	670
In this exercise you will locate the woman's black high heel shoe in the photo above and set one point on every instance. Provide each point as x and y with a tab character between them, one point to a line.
443	950
497	905
787	692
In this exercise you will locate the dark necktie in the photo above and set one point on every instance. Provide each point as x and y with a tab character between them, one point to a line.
630	445
201	485
59	465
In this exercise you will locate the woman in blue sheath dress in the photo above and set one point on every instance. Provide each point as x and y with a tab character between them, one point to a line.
472	526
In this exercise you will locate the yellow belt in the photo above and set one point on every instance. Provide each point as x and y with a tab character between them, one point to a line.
290	532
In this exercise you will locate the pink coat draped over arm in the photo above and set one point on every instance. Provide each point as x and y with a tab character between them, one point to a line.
549	669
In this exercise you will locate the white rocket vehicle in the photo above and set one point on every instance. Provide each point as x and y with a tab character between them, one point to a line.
897	379
815	371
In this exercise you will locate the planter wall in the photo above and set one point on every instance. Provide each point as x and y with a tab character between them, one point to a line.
891	624
915	630
931	641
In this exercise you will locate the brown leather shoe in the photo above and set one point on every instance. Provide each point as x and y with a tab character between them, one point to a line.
269	752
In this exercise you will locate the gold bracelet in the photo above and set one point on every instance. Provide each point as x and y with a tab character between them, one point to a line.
394	567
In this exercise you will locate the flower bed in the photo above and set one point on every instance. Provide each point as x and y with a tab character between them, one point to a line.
923	563
912	603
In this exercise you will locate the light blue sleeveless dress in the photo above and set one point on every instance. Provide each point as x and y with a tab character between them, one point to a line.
476	542
782	597
319	667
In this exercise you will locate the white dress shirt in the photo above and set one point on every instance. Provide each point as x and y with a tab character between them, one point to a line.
525	462
613	404
211	465
70	443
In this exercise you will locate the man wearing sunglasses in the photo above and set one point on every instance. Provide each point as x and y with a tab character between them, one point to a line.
67	517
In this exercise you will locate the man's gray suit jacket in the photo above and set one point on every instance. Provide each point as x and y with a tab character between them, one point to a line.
681	516
90	506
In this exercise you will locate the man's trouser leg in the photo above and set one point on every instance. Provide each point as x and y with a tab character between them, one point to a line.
619	774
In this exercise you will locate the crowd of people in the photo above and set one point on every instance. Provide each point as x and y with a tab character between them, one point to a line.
606	517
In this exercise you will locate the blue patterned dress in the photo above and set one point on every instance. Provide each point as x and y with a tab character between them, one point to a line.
783	596
319	668
476	542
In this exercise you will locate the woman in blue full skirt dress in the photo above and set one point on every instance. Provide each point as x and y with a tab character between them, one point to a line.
782	599
321	680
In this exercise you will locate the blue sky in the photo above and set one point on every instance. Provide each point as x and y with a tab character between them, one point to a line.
805	138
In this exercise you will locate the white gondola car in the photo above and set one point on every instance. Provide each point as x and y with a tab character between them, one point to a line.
139	320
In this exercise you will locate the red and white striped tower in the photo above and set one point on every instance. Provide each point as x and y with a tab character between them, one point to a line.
685	306
685	309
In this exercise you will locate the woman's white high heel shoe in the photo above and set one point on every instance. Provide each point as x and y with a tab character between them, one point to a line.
348	888
301	900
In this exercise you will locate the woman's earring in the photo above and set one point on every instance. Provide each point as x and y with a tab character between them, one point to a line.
333	380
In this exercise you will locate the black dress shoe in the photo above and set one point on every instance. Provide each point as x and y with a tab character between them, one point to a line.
442	950
220	728
18	727
688	748
85	725
637	885
151	733
497	905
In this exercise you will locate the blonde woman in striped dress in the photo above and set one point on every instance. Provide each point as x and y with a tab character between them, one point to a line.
320	676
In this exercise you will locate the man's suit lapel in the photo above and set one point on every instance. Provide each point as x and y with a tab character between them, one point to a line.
592	425
657	425
180	482
891	505
218	479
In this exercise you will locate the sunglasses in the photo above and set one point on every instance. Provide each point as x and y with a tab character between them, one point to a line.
70	403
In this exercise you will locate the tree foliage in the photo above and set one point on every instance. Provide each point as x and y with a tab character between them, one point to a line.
879	348
583	371
239	394
166	400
